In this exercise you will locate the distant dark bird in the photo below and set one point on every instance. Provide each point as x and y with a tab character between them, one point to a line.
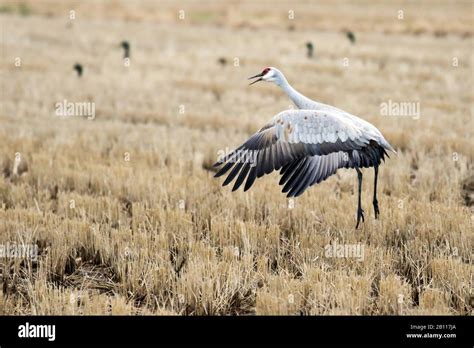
309	46
222	61
78	68
307	145
350	35
126	49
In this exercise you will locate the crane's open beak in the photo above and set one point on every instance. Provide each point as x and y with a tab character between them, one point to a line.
258	75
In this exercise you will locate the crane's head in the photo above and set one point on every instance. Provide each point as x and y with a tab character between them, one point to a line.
269	75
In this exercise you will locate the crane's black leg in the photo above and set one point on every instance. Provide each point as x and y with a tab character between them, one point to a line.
376	203
360	212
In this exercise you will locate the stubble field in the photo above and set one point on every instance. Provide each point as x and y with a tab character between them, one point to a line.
123	206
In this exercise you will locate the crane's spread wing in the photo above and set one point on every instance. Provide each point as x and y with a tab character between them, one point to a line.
290	136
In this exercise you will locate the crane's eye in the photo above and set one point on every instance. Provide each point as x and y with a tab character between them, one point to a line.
265	71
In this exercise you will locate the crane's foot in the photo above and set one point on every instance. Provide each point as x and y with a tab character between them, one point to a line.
376	209
360	216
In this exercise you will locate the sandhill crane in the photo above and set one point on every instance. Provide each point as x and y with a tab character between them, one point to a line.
310	48
126	49
78	68
307	146
350	35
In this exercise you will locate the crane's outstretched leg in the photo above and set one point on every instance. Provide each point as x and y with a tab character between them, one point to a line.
360	211
376	203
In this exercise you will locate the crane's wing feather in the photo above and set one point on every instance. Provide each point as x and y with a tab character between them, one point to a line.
286	141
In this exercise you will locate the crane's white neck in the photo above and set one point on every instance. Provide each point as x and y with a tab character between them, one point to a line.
296	97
